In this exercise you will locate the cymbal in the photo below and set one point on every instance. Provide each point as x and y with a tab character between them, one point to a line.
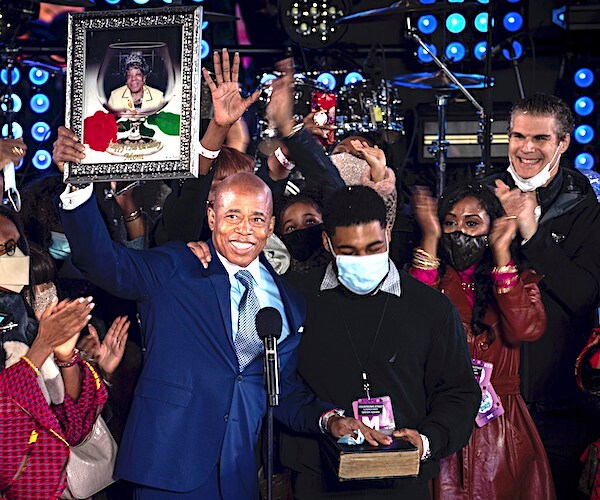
217	17
400	9
439	81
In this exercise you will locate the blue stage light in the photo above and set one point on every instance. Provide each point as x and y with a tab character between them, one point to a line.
427	2
41	159
204	25
141	2
484	1
455	51
584	134
481	22
20	164
427	24
517	51
17	104
40	131
15	76
38	76
39	103
328	80
17	130
455	23
513	1
584	106
480	50
353	77
423	56
112	2
583	77
204	49
584	161
266	78
513	21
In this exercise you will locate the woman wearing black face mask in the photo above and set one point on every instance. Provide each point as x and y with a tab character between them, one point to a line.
465	252
300	226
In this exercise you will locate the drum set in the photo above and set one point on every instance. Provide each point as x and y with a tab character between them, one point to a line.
370	106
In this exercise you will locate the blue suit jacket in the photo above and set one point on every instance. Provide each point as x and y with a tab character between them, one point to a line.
192	407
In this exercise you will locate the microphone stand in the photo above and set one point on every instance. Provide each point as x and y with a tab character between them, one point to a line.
271	361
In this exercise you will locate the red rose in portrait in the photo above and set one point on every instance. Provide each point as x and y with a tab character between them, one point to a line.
99	130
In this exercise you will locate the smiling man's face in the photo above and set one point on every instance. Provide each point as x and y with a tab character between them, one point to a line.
242	218
533	144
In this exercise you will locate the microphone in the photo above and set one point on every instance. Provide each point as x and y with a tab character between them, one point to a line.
268	326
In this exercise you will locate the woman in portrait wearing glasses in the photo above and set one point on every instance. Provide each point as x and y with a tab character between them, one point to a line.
466	253
49	398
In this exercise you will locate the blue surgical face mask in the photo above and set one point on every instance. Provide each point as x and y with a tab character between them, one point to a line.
60	248
361	274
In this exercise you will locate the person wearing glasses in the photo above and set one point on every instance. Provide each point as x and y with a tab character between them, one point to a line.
49	397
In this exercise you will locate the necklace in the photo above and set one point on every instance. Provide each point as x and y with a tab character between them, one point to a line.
470	286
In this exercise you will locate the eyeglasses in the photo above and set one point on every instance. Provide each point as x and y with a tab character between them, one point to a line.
9	248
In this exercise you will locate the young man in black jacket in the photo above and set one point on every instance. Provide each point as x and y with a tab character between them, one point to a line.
367	319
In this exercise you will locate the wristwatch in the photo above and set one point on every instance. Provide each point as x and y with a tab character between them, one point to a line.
326	416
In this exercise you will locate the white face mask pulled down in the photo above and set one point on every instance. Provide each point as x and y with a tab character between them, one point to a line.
538	180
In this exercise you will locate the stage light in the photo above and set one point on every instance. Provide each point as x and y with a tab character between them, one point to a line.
427	24
584	106
583	77
328	80
424	56
353	77
455	23
480	50
141	2
299	76
17	104
112	2
513	1
204	25
313	23
15	76
38	76
40	131
517	51
266	78
204	49
41	159
481	22
584	134
20	164
584	161
485	2
17	130
455	51
513	21
427	2
39	103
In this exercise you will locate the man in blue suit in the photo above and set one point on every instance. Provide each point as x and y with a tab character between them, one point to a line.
198	407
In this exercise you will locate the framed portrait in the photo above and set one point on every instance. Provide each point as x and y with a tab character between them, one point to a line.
132	94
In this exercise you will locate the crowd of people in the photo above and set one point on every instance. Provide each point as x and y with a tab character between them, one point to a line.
505	280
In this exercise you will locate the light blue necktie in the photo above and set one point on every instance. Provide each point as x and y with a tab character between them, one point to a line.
247	343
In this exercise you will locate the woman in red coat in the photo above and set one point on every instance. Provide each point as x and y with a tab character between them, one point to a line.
500	308
46	405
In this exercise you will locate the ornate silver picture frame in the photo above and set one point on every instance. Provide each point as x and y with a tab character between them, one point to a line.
132	93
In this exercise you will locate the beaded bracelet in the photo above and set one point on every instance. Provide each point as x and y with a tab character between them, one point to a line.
67	364
31	365
136	214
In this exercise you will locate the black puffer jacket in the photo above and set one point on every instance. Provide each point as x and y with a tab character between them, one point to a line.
566	251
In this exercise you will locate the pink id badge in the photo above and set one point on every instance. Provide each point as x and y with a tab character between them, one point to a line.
376	413
491	406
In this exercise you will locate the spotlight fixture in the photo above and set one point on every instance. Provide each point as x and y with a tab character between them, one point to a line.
312	23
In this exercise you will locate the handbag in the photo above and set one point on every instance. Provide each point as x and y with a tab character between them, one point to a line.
91	463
